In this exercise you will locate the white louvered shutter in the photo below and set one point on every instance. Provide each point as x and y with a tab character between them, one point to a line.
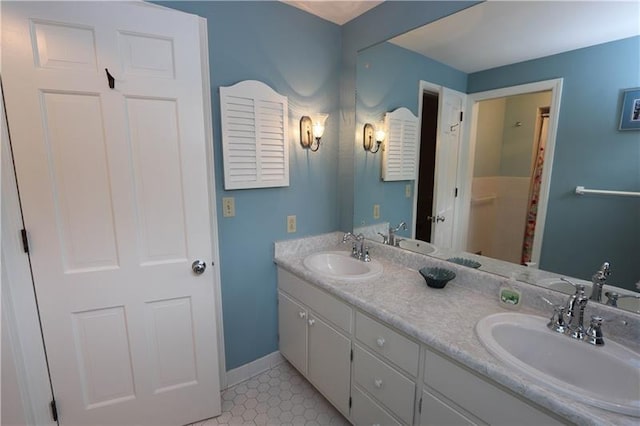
254	136
400	152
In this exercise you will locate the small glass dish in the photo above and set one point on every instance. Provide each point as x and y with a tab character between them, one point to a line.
465	262
437	277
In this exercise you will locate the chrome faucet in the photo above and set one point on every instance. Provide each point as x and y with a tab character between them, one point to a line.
358	249
569	319
391	240
599	279
574	311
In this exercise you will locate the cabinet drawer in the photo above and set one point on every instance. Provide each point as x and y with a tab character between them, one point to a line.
388	343
365	411
322	303
437	413
479	397
385	383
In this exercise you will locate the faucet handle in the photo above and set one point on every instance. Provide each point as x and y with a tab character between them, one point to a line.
385	238
557	322
366	257
593	334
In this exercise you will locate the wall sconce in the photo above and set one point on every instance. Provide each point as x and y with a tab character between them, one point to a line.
310	130
368	135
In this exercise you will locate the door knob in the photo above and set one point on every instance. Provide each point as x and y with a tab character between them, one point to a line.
198	267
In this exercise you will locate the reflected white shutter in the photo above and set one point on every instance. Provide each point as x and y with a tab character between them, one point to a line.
400	152
254	136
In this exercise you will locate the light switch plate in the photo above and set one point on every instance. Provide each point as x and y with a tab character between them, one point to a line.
407	190
376	211
291	224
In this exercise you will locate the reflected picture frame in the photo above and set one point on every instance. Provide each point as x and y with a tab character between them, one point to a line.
630	113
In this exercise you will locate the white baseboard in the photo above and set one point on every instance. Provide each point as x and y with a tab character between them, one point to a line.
247	371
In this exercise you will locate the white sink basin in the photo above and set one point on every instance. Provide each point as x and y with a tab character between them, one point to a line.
417	246
603	376
340	265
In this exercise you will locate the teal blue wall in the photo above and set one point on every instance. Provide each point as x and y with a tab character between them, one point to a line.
582	232
298	55
388	77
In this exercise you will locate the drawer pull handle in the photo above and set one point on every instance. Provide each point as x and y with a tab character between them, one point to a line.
380	341
312	321
378	383
302	315
376	424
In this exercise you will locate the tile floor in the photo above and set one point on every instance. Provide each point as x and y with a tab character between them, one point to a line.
280	396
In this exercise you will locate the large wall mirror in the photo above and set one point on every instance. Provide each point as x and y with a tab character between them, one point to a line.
541	87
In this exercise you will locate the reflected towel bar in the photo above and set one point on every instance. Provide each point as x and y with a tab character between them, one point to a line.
580	190
484	199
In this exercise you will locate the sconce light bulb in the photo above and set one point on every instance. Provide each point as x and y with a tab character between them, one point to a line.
380	135
318	130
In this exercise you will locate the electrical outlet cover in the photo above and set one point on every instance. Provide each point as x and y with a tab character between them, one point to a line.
228	207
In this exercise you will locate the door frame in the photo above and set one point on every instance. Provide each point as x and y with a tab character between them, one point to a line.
424	86
21	308
467	155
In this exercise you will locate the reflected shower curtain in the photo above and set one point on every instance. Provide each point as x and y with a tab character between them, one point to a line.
534	193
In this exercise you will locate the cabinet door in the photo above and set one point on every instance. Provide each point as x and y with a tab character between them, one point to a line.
435	412
366	412
330	362
293	332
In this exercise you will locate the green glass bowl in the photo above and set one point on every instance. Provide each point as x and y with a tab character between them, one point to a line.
465	262
437	277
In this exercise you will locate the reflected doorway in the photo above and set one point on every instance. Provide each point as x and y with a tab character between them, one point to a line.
426	173
510	148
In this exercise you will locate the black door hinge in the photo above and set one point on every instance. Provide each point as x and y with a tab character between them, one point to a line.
350	402
351	355
461	113
54	410
420	406
456	193
25	240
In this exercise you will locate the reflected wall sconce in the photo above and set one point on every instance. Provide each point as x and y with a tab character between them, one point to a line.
369	135
312	130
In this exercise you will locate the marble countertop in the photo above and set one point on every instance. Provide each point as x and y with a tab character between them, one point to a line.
445	319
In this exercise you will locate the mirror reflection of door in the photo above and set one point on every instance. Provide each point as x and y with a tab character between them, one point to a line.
507	168
426	173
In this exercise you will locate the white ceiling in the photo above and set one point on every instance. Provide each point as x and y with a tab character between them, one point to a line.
497	33
339	12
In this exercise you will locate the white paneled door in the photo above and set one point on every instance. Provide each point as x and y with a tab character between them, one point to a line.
451	104
113	183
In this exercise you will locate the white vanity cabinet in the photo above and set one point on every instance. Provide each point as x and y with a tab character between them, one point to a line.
465	398
376	375
314	329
